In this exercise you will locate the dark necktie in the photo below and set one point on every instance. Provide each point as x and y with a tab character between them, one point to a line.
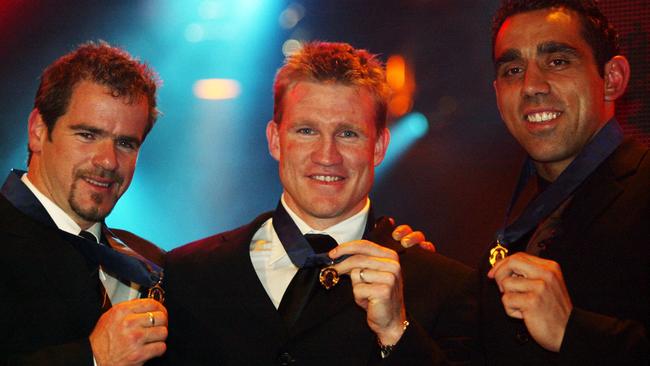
301	286
105	300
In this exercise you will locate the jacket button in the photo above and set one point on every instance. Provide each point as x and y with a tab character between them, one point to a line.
285	359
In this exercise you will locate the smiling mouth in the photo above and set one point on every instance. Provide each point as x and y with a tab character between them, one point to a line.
97	183
542	117
326	178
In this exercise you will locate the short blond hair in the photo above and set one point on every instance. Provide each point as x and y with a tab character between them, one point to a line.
329	62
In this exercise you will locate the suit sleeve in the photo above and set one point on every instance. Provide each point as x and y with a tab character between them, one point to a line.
451	340
603	340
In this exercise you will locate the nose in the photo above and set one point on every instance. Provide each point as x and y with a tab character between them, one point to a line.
535	82
326	152
105	155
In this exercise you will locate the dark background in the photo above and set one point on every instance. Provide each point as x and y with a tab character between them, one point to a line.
205	167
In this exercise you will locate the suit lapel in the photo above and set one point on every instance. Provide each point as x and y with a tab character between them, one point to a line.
602	188
59	265
234	262
56	262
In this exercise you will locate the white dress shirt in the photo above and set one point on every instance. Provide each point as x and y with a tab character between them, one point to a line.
271	262
116	290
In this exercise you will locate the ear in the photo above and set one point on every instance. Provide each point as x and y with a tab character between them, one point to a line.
381	146
37	131
617	75
273	139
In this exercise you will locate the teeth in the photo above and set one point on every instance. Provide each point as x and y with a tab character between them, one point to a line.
542	116
326	178
92	181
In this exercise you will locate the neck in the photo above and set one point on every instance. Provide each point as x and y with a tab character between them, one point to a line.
41	186
550	171
322	222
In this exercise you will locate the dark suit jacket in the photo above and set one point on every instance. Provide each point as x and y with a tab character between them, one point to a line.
220	313
603	254
49	294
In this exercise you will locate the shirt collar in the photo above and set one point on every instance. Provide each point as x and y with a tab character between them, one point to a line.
349	229
62	220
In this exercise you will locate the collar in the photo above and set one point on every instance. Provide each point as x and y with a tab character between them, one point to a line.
61	219
347	230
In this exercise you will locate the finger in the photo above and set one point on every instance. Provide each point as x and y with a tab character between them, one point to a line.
364	247
151	350
427	245
518	264
516	303
401	231
412	239
155	334
369	276
366	293
153	319
137	306
521	284
371	263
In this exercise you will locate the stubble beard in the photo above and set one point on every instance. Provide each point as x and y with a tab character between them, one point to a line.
92	213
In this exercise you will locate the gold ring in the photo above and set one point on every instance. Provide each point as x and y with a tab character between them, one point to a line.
361	275
152	319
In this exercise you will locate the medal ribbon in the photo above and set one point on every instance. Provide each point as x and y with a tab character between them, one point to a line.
585	163
294	243
125	267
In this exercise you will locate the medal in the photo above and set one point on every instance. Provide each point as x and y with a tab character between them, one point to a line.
328	277
156	292
497	253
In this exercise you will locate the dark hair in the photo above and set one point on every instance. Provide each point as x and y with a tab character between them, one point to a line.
102	64
597	31
336	63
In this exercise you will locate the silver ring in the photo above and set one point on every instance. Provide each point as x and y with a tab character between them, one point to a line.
361	275
152	319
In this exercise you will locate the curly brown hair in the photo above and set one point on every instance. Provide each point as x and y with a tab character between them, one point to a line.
100	63
336	63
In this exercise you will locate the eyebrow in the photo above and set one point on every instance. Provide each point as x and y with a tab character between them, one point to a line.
546	48
103	133
509	55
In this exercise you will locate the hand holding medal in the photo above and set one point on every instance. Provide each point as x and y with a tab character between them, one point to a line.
376	277
533	290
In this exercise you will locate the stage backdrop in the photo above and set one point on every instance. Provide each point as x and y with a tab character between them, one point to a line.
205	167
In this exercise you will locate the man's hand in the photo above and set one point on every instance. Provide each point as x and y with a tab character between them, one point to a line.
377	285
125	335
408	238
533	290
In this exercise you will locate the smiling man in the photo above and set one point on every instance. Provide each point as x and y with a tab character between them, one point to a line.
269	293
574	287
70	286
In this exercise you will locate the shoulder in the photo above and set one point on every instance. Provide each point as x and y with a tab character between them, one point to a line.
218	242
425	261
142	246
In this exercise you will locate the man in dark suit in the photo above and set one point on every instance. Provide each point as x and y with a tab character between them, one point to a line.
61	268
574	287
252	296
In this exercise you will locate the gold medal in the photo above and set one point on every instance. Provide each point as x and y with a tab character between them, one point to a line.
156	292
328	277
497	253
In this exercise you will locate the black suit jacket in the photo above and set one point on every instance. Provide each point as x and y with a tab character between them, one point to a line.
604	257
49	294
221	314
